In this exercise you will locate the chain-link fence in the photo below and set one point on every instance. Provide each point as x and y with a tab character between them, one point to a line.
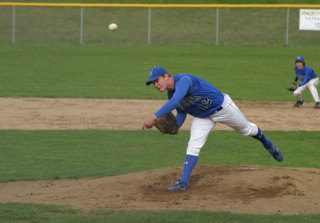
154	26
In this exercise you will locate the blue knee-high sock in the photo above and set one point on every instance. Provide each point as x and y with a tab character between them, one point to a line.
263	139
189	163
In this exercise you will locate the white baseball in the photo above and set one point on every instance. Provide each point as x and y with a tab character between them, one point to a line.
113	26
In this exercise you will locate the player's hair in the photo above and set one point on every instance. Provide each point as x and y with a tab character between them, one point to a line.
166	74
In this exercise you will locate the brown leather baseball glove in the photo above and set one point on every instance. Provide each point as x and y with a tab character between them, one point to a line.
167	124
293	87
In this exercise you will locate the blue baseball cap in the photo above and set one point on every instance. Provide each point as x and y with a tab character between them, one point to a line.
154	73
299	59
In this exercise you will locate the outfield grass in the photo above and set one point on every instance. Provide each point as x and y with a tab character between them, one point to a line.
183	1
246	73
32	155
46	213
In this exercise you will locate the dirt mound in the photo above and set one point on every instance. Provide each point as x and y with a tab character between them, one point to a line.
110	114
244	189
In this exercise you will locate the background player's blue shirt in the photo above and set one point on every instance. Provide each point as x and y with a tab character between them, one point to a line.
191	95
304	75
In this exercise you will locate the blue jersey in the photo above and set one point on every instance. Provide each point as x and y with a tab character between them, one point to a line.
192	95
304	75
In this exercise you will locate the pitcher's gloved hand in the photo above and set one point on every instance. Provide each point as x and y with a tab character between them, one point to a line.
167	124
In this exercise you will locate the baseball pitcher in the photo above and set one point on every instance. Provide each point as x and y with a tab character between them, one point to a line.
191	95
308	79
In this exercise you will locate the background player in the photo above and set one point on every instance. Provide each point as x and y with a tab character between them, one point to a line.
189	94
308	79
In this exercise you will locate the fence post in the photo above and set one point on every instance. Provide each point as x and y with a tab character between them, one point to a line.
287	26
81	25
217	27
149	26
13	38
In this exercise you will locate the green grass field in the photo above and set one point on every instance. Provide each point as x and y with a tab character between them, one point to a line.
13	213
77	154
246	73
185	1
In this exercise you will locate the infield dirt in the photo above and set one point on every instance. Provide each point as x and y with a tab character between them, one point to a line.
116	114
242	189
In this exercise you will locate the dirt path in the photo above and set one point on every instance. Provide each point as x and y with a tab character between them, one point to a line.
110	114
244	189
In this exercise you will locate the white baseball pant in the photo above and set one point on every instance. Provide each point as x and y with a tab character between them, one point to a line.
229	115
312	85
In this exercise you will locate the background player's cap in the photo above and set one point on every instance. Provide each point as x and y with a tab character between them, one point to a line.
154	73
299	59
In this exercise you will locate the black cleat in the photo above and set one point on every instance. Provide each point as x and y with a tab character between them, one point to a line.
298	103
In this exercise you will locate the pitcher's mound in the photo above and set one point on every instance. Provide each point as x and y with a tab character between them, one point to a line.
241	189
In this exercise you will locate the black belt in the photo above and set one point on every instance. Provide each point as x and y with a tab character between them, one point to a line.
218	109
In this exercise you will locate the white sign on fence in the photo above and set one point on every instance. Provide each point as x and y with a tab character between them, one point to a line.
309	19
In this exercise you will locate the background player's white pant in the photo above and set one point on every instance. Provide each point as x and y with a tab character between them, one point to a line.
229	115
312	85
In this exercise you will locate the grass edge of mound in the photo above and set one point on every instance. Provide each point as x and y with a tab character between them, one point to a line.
13	212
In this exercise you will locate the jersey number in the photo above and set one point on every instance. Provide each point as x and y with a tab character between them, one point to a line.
205	104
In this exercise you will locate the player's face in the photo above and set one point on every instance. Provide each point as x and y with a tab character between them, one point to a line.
161	83
299	65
